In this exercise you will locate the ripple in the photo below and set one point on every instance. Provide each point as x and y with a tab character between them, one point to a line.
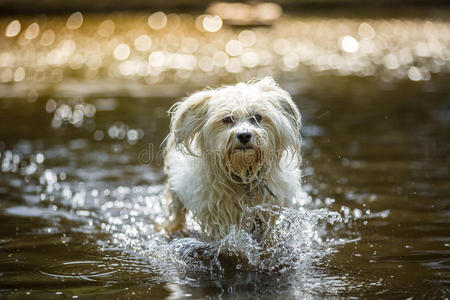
38	212
84	270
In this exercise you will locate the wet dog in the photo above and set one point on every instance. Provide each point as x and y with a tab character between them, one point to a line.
230	149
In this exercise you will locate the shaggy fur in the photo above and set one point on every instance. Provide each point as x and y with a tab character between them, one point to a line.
213	174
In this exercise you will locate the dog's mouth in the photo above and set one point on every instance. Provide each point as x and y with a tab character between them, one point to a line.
243	148
243	163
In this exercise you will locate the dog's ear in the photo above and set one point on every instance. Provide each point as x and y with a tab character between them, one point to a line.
188	117
283	102
284	99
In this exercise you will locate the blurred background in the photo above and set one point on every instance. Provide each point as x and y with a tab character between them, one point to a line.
57	6
193	44
84	91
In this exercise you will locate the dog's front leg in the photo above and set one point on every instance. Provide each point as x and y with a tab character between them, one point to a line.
177	215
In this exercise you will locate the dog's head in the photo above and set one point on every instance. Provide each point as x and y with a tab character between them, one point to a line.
242	130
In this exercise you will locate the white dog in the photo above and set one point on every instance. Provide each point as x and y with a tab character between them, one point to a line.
230	149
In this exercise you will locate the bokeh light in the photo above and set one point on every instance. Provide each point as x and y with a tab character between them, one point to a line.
156	59
122	51
106	28
212	23
157	20
366	31
159	48
75	21
47	38
349	44
32	31
233	47
247	38
143	43
13	28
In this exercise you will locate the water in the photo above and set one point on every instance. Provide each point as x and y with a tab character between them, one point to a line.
81	183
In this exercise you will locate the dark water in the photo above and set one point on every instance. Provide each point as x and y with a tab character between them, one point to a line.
81	186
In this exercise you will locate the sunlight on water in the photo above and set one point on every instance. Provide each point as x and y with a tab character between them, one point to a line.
199	50
131	217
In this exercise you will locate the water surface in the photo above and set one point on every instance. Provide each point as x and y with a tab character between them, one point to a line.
81	182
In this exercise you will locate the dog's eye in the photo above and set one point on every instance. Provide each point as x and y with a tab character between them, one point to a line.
228	120
256	119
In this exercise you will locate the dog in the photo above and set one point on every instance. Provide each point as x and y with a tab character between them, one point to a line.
230	149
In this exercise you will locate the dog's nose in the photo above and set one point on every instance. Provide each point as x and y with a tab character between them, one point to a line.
244	137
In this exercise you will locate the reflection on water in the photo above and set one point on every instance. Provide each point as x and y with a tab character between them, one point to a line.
129	215
200	50
83	109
